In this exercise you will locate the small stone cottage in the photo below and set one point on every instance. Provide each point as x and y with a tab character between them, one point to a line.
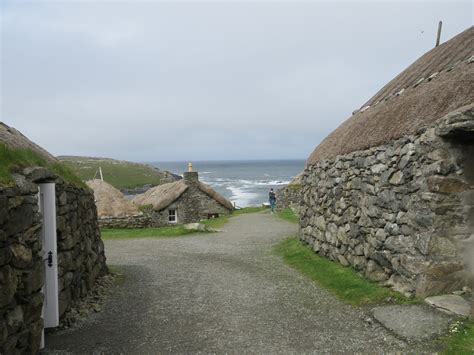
40	203
391	191
184	201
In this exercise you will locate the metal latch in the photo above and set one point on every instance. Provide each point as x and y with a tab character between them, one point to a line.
50	258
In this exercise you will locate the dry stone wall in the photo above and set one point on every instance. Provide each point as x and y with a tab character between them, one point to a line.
400	213
81	256
288	197
139	221
21	270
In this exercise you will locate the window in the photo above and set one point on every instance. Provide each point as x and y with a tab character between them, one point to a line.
172	216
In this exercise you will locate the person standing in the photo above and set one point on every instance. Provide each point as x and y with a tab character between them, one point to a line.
272	199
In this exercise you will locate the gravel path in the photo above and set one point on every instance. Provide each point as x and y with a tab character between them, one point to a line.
222	292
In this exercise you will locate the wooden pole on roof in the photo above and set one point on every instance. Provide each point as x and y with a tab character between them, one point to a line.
438	37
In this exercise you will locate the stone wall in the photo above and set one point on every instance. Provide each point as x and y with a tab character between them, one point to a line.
21	270
288	197
140	221
81	256
400	212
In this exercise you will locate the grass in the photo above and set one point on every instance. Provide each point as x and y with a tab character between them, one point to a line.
344	282
172	231
14	160
288	215
120	174
163	232
461	340
294	187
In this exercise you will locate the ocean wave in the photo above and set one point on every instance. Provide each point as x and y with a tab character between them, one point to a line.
263	182
241	197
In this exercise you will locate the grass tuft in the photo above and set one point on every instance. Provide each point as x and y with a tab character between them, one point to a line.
288	215
344	282
14	160
461	338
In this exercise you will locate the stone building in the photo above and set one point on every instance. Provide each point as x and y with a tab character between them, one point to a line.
184	201
26	253
391	191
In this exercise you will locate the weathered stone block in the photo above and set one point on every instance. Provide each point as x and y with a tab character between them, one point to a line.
21	256
20	218
442	246
414	265
32	307
397	178
3	209
3	332
24	186
446	185
35	331
378	168
14	319
374	272
8	285
400	244
5	256
33	279
342	260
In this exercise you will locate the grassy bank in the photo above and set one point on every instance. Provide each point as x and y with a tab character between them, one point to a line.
344	282
461	340
120	174
13	160
172	231
288	215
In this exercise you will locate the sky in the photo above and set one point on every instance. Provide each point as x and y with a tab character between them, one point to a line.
183	81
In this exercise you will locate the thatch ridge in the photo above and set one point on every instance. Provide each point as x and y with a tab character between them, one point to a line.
161	196
407	104
216	196
13	138
110	201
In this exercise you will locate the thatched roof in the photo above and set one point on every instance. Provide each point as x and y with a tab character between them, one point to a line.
110	201
12	138
216	196
437	83
161	196
164	195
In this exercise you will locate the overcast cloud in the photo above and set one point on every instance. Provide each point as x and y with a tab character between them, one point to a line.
155	81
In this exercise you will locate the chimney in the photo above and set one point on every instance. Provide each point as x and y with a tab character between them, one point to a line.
190	176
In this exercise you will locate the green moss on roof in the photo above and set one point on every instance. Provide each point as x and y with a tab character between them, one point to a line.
15	159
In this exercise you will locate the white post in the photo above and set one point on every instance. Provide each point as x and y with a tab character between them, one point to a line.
47	207
100	172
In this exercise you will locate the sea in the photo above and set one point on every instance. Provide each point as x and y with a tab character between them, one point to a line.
245	183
